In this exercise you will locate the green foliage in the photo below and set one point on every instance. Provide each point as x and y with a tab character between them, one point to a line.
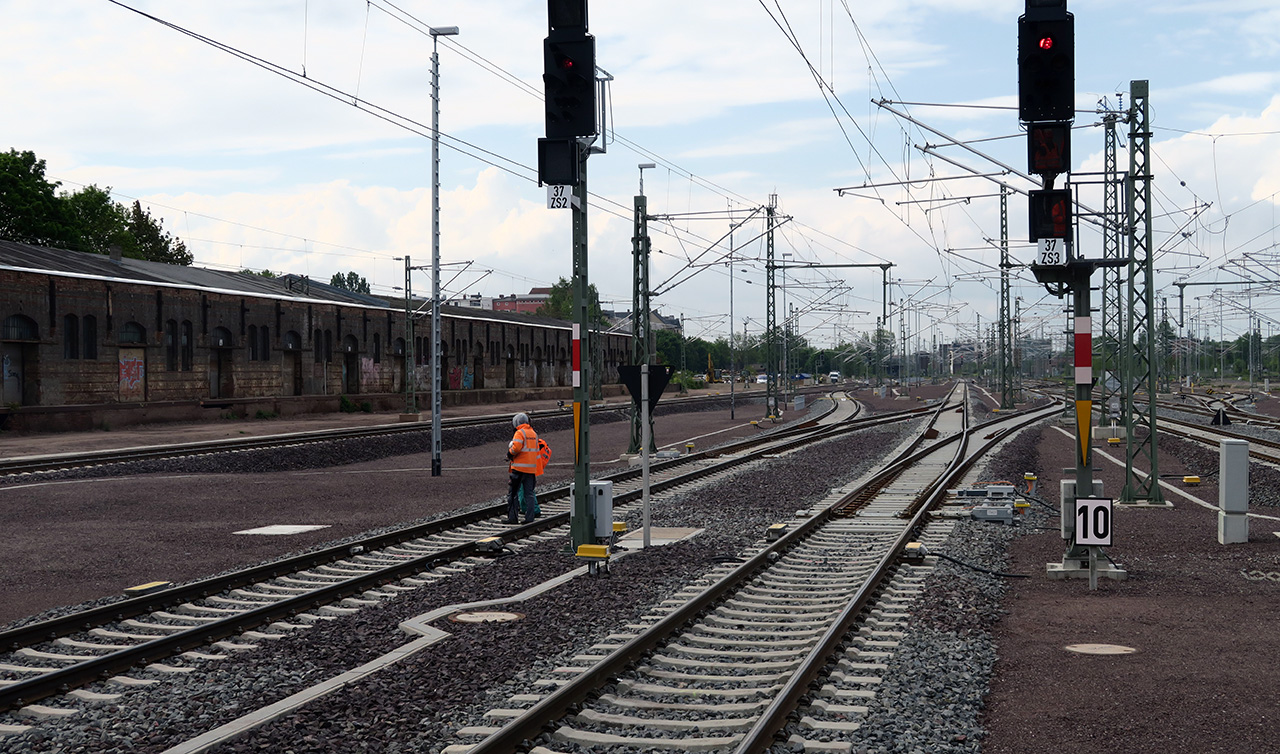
263	414
560	303
147	239
352	281
99	220
345	405
264	273
31	211
686	380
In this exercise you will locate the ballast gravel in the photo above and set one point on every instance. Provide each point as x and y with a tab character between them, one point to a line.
416	705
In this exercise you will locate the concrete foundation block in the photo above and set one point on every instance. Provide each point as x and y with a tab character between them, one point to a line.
1233	528
1106	433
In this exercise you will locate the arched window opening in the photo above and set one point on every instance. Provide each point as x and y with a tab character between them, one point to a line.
133	334
188	346
71	337
171	354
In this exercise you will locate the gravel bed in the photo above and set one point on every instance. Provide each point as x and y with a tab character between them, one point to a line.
1264	479
326	455
417	704
317	455
930	698
347	451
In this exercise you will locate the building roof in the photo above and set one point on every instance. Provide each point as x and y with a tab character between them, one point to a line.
77	263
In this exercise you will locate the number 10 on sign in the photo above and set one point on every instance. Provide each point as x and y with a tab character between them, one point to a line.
1093	522
1051	252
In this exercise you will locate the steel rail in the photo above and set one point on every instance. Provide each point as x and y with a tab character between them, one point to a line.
24	692
56	461
528	725
132	607
775	717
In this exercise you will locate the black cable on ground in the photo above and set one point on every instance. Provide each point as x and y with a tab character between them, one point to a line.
1037	500
979	568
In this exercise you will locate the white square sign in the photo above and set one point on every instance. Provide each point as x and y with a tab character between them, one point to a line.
559	197
1093	522
1051	252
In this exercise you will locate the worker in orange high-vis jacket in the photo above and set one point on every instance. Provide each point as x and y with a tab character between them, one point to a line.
522	456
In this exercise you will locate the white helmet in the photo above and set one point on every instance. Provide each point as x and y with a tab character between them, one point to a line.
518	419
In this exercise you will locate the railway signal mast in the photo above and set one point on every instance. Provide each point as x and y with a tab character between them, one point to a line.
1046	105
572	123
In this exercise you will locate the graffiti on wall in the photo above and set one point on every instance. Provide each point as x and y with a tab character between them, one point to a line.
133	373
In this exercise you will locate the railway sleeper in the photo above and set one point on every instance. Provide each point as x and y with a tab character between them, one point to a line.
830	727
809	746
761	640
709	627
660	690
36	654
718	708
199	613
63	641
611	721
759	680
746	655
593	739
682	662
835	708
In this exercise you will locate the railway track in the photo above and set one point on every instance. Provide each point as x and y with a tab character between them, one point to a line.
230	613
726	664
66	461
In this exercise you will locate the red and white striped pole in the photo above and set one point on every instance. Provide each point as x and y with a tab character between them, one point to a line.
1084	385
577	383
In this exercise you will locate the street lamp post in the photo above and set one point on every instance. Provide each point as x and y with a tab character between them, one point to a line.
786	332
436	33
410	370
732	375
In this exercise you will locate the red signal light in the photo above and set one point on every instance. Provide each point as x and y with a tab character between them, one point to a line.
566	63
1046	43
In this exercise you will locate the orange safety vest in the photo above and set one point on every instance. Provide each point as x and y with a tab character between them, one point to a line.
524	450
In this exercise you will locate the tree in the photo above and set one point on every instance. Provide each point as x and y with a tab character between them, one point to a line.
148	240
99	221
264	273
30	209
560	303
352	281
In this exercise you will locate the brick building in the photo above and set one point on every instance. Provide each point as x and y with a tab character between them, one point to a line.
82	330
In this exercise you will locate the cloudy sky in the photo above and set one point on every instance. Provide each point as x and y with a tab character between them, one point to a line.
327	168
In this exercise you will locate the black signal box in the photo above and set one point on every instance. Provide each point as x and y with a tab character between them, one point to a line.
1046	67
1049	148
1050	214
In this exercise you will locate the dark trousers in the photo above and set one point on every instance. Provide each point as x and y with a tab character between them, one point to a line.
514	483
